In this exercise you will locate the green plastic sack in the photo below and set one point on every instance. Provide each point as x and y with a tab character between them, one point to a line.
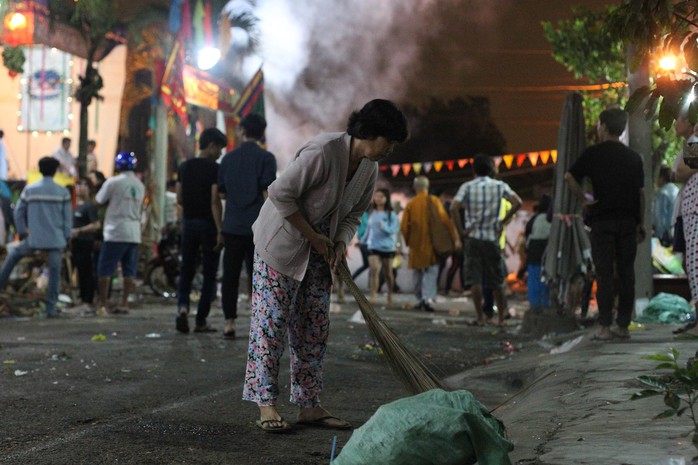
666	308
432	428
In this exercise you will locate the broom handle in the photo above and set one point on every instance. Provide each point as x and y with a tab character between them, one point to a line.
364	305
426	380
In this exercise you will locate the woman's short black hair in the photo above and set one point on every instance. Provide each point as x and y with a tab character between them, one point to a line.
378	118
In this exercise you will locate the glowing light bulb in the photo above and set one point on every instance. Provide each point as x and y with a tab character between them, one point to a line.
208	57
668	62
15	21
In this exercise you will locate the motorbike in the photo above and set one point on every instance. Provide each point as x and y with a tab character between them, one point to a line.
162	271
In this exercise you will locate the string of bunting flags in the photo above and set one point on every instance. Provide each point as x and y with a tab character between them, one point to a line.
543	157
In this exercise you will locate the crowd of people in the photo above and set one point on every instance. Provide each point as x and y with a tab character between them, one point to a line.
291	232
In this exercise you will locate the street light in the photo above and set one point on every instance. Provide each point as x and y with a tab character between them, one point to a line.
208	57
15	21
668	63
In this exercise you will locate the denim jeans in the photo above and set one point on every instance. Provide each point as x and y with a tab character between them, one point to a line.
238	248
425	283
198	237
55	257
538	292
614	246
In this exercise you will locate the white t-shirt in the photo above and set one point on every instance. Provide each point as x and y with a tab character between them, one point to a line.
124	194
67	161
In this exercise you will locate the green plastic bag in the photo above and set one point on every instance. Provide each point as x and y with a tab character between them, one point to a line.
666	308
432	428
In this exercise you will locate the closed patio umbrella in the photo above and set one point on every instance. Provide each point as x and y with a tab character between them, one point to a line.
569	248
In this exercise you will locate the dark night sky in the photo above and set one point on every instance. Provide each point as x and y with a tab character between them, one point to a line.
508	60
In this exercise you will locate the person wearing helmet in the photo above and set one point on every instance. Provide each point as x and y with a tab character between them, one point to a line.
123	195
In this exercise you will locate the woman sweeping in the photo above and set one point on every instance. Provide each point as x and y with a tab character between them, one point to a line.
300	236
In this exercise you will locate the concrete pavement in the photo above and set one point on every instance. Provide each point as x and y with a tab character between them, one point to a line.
167	398
582	413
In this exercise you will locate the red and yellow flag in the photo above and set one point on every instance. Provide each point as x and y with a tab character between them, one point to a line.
172	87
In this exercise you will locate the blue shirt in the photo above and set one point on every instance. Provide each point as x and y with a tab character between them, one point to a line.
243	176
44	211
663	210
381	230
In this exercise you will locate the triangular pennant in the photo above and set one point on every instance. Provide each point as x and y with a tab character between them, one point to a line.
462	162
417	167
508	160
383	167
544	156
449	165
406	167
497	161
395	169
427	166
520	159
553	155
438	165
533	158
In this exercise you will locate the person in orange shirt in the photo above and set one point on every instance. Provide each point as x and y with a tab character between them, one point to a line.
416	231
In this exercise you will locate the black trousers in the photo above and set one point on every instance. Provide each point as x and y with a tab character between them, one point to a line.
237	249
613	248
82	255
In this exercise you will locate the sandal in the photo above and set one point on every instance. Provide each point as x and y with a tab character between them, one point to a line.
229	334
266	425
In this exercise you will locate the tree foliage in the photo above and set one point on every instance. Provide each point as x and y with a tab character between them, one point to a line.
666	27
581	44
678	387
590	46
460	127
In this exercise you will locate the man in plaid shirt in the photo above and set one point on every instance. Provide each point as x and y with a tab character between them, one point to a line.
481	228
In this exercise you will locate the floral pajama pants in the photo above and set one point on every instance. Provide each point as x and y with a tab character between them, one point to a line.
281	304
689	209
690	227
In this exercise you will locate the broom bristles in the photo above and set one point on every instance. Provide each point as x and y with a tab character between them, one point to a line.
405	363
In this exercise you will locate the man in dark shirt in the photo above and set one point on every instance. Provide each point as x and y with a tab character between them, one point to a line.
243	179
616	217
201	221
85	226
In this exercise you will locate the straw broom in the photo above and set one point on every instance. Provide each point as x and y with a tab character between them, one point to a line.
405	363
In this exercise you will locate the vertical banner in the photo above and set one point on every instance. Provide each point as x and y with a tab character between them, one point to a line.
45	90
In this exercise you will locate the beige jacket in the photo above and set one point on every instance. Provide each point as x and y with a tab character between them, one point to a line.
314	183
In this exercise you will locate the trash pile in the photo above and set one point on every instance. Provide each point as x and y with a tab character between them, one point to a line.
435	427
668	309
